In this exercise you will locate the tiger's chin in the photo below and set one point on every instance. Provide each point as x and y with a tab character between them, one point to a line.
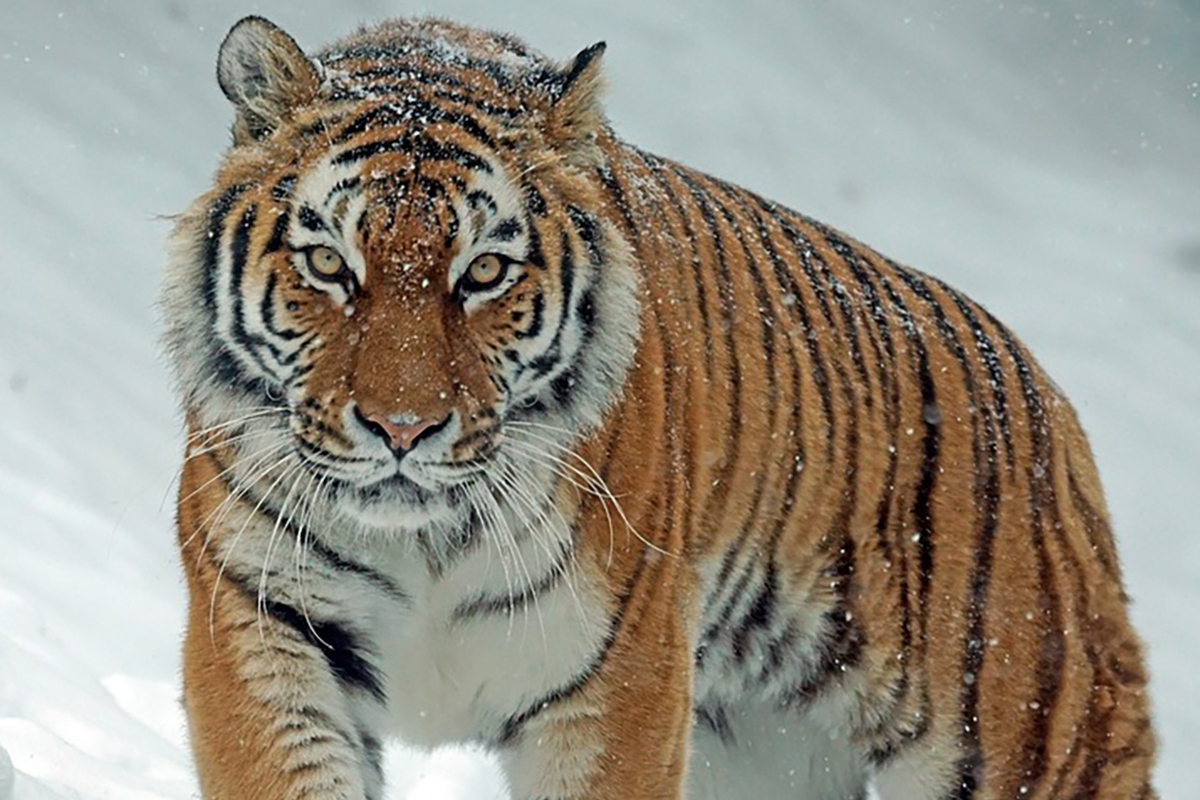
396	504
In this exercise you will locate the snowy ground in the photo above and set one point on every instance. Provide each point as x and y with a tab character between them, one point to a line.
1046	158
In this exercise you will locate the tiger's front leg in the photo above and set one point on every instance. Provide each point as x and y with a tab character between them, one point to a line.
265	711
270	711
622	733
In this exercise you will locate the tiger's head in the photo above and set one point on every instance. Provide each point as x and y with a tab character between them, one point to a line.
403	275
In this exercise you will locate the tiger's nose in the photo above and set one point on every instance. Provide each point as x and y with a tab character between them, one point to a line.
400	437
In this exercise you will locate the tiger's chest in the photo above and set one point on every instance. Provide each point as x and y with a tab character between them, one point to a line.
485	641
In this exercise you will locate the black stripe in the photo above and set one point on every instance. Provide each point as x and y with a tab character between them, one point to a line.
991	361
799	305
491	605
505	112
747	527
842	297
728	305
545	363
843	643
217	212
402	71
420	146
239	250
372	749
1034	754
760	615
282	190
342	647
372	576
798	310
588	230
505	231
692	243
266	309
1095	526
534	201
310	219
414	110
919	512
716	719
278	232
512	727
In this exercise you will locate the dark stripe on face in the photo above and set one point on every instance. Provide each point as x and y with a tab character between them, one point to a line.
478	197
282	190
344	185
505	231
536	319
317	128
217	213
278	232
238	253
403	72
310	219
545	363
267	310
419	146
534	202
414	111
492	110
588	230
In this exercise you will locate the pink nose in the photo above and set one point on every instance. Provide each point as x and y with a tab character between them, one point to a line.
399	437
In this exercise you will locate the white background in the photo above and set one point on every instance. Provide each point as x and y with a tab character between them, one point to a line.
1045	157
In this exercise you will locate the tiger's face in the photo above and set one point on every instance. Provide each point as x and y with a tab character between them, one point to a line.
388	305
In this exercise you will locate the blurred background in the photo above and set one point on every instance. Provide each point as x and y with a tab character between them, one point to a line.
1043	156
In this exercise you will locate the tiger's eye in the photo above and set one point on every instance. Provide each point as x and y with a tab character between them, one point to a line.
325	262
486	271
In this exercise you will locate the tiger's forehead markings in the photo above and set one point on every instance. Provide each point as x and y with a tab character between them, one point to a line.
329	202
414	111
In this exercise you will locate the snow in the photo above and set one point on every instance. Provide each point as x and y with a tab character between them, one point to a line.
1044	156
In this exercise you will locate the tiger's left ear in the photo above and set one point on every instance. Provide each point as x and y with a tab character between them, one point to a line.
576	114
266	76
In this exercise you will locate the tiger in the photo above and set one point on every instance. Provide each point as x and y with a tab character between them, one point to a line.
503	432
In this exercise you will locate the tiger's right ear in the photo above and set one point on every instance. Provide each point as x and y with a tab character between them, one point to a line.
265	74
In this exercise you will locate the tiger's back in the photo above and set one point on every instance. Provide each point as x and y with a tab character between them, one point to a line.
797	518
944	569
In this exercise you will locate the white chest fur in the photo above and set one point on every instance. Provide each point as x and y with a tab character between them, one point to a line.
506	626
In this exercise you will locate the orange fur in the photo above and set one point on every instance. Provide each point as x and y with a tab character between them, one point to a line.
885	444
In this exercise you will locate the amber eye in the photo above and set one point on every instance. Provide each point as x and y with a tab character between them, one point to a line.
326	263
486	272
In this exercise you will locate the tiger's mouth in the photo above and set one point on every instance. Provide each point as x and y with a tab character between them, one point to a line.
393	502
395	487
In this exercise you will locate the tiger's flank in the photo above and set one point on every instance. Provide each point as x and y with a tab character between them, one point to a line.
503	431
